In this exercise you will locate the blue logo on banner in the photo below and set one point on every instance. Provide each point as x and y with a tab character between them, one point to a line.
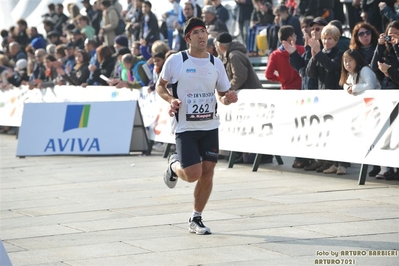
77	116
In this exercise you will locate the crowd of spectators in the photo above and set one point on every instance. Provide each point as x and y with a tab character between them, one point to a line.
305	39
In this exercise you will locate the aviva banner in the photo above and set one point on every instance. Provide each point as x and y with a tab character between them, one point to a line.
76	128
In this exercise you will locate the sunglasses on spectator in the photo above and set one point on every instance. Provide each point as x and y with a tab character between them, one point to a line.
315	29
364	33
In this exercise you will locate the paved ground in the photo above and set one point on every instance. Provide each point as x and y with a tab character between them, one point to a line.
117	211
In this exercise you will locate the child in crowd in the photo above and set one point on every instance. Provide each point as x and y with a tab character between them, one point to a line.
136	75
278	67
356	75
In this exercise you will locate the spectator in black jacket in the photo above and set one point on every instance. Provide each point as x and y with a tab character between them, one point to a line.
107	63
149	31
286	18
62	18
221	12
97	17
80	72
22	37
213	24
325	63
300	63
89	8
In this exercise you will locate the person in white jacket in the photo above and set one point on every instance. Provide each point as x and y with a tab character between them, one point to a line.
356	75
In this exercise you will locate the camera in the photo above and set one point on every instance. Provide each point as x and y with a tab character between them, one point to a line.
388	38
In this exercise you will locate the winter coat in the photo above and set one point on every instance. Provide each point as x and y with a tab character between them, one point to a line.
287	75
106	68
110	23
390	57
327	68
239	69
79	76
153	33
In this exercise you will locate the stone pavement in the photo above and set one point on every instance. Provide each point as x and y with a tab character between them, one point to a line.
116	210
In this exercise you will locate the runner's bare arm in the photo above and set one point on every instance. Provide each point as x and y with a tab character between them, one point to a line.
161	89
164	93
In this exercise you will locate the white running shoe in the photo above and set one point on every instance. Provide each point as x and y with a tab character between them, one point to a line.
195	225
170	177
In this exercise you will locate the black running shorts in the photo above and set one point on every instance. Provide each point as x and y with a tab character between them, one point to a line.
192	146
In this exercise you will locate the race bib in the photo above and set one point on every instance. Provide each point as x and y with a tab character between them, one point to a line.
200	106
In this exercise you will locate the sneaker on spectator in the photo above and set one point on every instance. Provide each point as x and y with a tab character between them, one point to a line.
300	163
341	170
385	172
390	174
170	178
331	170
375	171
195	225
323	167
313	166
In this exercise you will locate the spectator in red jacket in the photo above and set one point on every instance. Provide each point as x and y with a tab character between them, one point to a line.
278	67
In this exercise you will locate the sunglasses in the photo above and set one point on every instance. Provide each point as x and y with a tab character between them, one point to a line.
364	33
315	29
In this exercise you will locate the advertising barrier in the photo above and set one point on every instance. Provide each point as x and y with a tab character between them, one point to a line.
89	128
331	125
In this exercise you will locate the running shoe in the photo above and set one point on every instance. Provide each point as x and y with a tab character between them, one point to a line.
195	225
170	177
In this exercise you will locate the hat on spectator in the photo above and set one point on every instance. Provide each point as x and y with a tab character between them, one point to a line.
319	20
122	51
122	40
37	43
76	31
69	45
53	33
85	1
209	9
337	24
69	27
224	37
21	64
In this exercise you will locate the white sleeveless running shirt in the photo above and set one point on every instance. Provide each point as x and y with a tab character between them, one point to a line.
194	82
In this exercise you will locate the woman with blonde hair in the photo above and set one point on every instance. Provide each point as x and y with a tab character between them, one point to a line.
325	65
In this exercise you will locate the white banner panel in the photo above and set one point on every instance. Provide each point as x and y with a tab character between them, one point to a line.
330	125
324	124
76	128
11	106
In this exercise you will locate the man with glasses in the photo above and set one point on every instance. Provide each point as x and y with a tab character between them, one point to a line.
197	78
39	70
299	62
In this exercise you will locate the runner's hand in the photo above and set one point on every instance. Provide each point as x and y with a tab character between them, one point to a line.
231	96
174	107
